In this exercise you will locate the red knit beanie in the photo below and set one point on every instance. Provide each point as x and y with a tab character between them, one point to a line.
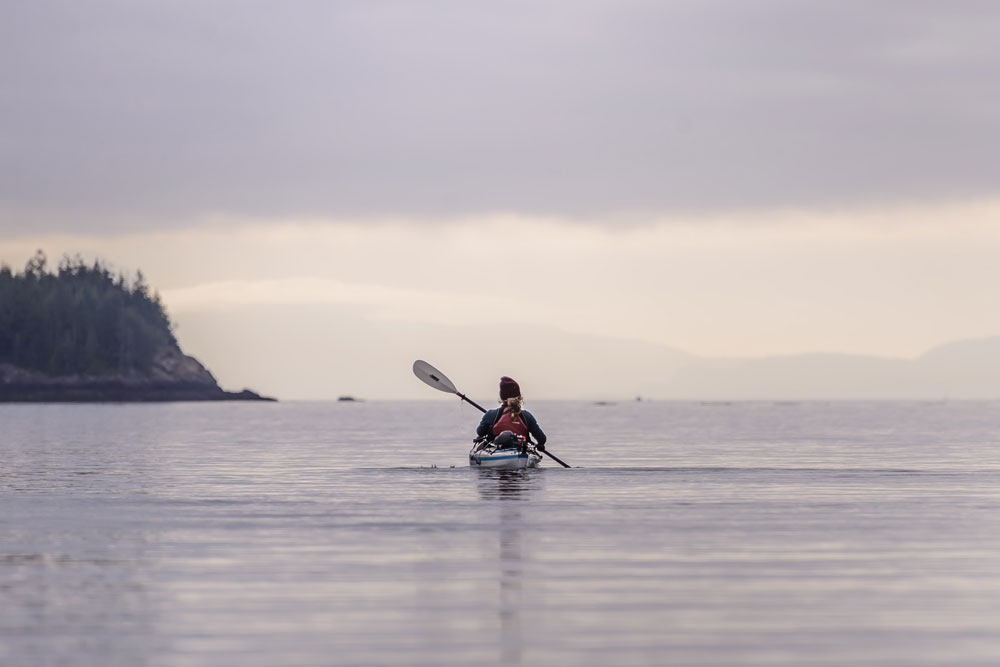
508	388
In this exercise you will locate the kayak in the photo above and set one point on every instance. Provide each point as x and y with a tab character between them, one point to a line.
486	455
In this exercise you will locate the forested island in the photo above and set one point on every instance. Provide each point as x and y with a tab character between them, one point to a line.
84	333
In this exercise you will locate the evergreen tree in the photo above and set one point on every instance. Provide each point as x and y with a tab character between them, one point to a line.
80	320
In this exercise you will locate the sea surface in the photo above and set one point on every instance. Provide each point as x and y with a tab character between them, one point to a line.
289	534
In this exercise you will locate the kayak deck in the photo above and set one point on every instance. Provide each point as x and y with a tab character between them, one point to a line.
485	455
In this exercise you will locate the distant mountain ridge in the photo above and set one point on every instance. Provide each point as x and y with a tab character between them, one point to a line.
960	369
551	363
370	357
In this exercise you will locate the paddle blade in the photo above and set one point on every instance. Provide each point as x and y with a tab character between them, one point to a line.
433	377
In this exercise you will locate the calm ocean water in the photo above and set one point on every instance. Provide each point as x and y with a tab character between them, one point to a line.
340	534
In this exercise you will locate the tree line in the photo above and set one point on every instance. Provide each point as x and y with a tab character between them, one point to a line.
80	319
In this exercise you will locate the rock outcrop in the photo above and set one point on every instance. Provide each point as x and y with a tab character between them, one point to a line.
174	377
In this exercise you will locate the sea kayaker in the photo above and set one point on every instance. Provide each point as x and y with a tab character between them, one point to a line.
510	417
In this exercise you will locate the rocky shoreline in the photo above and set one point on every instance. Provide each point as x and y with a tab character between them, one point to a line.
174	377
111	391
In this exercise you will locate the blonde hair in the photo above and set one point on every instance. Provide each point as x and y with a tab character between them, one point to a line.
514	406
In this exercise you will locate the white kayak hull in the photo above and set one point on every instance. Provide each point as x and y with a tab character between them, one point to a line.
504	459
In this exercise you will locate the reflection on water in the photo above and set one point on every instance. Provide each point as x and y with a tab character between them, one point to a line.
316	535
66	592
509	484
506	489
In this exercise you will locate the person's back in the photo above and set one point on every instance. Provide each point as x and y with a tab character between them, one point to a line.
510	416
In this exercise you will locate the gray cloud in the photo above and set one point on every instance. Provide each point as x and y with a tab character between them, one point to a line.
122	111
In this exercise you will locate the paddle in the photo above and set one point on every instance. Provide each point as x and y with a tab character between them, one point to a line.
435	378
440	381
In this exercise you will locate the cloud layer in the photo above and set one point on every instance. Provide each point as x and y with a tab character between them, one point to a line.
120	114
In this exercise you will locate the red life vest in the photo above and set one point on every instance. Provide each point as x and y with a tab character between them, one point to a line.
515	425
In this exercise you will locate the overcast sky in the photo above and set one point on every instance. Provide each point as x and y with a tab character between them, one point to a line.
728	178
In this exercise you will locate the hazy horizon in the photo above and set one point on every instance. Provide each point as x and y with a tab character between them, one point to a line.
323	192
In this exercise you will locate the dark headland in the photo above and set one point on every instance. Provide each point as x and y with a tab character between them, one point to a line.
84	334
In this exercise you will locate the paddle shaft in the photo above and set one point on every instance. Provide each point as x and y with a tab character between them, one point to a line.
555	458
544	451
470	401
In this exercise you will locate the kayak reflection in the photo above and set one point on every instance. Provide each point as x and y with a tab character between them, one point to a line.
503	488
501	484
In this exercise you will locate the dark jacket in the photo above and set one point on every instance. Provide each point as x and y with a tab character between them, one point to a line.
486	425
